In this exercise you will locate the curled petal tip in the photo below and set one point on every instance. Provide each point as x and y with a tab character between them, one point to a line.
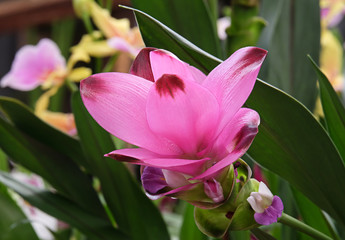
86	89
141	66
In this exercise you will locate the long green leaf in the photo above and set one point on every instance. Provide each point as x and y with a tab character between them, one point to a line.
157	34
285	38
177	15
25	120
290	142
63	209
294	145
311	214
189	230
133	211
57	169
334	111
13	223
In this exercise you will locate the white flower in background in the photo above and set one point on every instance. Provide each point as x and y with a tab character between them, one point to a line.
39	220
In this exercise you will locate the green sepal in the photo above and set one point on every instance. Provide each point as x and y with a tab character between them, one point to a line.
197	197
235	213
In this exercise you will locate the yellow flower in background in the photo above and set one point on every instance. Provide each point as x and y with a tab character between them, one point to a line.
118	31
62	121
332	52
332	11
89	46
331	59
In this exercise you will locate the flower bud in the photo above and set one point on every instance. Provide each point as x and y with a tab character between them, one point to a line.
235	213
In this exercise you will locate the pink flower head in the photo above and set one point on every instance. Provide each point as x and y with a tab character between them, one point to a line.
188	126
36	65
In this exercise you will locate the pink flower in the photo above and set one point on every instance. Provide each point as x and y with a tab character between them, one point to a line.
37	65
188	126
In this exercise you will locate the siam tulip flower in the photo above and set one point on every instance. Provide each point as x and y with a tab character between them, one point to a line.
37	65
189	127
268	208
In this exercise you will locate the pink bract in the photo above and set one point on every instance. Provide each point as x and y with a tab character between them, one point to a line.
33	64
188	126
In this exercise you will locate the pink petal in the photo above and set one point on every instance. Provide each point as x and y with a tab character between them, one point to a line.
163	62
183	112
141	66
117	101
24	74
234	140
143	157
245	118
198	75
49	55
233	80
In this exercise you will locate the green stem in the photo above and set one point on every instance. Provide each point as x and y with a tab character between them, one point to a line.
71	86
109	5
302	227
110	63
87	23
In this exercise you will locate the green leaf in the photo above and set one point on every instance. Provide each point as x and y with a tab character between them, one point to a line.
285	38
156	34
334	111
13	223
26	121
177	15
134	213
294	145
60	171
311	214
63	209
189	230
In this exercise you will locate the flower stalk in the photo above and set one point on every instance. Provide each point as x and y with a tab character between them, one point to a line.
300	226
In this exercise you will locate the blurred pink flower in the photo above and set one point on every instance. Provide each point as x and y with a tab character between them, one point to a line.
188	126
37	65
